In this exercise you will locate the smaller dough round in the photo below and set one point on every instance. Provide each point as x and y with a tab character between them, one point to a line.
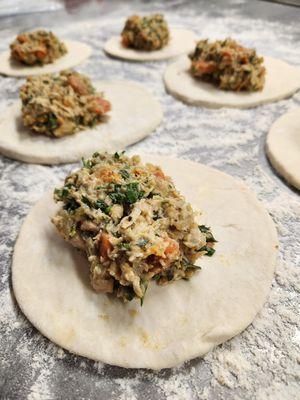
282	80
135	114
283	147
77	53
182	42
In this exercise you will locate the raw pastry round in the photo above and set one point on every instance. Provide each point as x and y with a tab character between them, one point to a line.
282	80
283	146
77	53
177	322
182	42
135	114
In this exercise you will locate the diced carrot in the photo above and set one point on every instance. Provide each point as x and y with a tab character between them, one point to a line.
40	54
159	174
227	54
125	41
105	246
78	84
172	248
103	106
107	175
205	67
22	38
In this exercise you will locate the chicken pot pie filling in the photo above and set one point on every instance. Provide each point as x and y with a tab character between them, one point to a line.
37	48
60	105
228	65
132	223
145	33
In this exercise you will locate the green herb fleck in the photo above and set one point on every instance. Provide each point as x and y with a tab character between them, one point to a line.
124	173
209	250
117	155
73	231
61	193
86	201
124	246
100	204
188	266
71	205
208	234
87	163
144	284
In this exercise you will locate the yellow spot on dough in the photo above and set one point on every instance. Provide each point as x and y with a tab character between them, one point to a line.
122	341
105	317
147	341
133	312
224	260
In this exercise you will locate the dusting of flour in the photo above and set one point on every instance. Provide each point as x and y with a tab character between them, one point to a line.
260	363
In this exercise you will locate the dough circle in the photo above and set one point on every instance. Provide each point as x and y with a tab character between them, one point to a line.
177	322
283	146
135	114
182	42
282	80
77	53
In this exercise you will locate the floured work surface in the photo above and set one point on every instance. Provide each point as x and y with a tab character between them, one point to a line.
261	362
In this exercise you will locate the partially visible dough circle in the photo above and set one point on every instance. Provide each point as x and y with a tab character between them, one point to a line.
282	80
177	322
135	114
182	42
283	146
77	53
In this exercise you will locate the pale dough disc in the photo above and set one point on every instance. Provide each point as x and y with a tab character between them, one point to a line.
182	42
77	53
135	114
282	80
283	146
177	322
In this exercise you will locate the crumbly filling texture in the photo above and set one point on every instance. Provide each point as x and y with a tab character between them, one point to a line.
146	33
132	223
37	48
228	65
60	105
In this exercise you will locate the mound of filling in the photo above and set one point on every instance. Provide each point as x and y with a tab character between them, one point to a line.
228	65
60	105
132	223
145	33
37	48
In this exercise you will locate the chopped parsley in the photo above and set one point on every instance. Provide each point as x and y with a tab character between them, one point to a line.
126	194
187	265
124	246
87	163
208	234
73	231
124	173
209	250
61	193
101	205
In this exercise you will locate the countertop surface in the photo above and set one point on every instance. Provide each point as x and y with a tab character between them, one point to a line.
261	362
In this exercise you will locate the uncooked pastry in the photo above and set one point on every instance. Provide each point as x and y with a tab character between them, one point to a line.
77	53
177	322
282	80
283	146
182	42
135	114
